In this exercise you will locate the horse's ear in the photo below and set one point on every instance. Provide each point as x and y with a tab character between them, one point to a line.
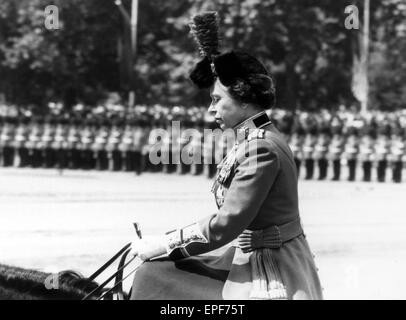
69	275
69	278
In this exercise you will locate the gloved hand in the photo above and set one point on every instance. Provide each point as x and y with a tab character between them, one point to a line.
148	247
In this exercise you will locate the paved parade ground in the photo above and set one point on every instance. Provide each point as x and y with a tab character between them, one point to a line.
79	219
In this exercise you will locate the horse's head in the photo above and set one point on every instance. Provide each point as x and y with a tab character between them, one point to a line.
22	284
71	282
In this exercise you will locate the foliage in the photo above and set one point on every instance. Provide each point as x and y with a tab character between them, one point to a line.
303	43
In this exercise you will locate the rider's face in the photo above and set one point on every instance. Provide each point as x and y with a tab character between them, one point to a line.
227	111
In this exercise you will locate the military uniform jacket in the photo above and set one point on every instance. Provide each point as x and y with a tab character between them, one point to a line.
21	136
336	147
60	139
352	147
47	136
321	147
309	146
382	147
397	148
86	138
366	149
34	137
255	188
114	139
139	138
127	143
296	143
100	139
7	136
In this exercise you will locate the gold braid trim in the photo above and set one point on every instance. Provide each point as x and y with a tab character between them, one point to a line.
266	279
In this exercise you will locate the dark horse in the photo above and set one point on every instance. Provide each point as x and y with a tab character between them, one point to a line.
24	284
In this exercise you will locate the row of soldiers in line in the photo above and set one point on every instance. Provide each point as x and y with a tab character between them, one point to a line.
370	151
128	146
103	146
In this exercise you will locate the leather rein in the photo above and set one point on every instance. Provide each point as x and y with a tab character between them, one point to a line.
105	293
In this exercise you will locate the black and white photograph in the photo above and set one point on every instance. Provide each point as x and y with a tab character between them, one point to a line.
202	150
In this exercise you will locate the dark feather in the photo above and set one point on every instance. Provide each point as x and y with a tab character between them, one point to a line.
204	28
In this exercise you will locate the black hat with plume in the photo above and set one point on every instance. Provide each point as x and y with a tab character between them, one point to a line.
232	68
204	28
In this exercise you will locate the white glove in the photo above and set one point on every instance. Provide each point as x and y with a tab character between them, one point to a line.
148	247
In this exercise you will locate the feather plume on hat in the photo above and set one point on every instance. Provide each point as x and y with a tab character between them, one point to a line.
204	28
244	75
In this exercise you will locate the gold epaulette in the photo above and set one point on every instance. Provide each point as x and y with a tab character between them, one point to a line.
256	134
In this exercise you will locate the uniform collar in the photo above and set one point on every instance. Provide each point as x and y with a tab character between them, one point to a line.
257	121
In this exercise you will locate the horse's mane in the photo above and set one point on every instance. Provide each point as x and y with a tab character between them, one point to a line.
23	284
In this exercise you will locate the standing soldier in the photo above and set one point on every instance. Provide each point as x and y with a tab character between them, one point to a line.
86	143
320	152
366	154
7	142
404	152
182	146
21	139
140	139
397	149
308	153
351	152
196	147
60	144
181	124
47	139
153	147
209	152
296	144
99	146
160	141
113	141
168	143
74	145
382	147
127	147
285	124
1	148
150	135
34	144
335	151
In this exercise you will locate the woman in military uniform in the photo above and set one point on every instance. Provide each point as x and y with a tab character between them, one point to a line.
256	193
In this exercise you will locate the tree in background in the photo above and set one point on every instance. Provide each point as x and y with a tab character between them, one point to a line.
303	43
388	58
76	62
